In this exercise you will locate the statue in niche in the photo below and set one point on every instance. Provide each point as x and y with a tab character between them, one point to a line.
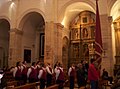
76	34
86	50
85	33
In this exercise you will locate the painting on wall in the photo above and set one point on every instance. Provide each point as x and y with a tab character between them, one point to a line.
27	55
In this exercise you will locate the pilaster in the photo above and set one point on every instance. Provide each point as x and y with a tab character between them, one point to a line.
37	45
15	48
58	41
49	43
53	42
107	59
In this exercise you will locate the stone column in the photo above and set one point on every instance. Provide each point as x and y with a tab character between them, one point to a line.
37	45
58	41
53	42
15	47
110	52
49	43
107	43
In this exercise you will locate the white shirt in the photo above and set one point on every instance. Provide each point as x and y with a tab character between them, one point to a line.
57	71
29	71
41	72
48	70
70	69
22	67
15	70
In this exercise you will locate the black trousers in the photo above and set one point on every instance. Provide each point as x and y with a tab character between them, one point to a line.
72	82
24	78
32	80
42	83
49	79
60	82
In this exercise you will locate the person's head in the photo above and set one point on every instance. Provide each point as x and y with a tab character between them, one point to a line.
92	60
79	65
38	63
34	64
104	69
24	62
73	64
18	63
48	64
60	64
42	65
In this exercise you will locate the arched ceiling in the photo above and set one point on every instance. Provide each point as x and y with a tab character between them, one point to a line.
35	19
115	11
73	10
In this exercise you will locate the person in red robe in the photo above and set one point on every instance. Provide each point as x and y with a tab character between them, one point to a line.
93	75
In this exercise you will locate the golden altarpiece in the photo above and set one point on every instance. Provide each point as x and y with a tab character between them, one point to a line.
116	25
82	34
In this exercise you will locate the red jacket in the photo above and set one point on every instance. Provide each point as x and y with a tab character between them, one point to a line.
18	73
92	73
72	73
61	75
33	74
25	69
43	75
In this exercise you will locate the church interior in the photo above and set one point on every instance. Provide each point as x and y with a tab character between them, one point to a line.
58	30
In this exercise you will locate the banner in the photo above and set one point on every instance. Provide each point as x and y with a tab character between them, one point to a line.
98	38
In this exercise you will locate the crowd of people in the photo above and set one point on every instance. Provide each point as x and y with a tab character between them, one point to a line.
47	75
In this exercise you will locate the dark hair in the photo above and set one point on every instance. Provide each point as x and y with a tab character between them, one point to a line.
24	62
33	63
38	62
92	60
17	64
1	71
42	64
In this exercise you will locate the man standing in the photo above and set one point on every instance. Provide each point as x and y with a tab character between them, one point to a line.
32	73
93	75
60	76
49	74
42	76
71	74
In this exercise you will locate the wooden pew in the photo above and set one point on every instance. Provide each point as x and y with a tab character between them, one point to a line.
55	86
11	84
9	76
28	86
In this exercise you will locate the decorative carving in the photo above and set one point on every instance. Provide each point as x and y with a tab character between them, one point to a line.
82	32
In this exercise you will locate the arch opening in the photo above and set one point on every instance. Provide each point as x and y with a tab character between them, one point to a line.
33	27
4	42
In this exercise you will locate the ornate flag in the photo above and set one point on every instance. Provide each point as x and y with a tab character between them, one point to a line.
98	38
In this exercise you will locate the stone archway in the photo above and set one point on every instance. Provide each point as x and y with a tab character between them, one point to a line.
115	30
65	53
33	27
71	9
4	42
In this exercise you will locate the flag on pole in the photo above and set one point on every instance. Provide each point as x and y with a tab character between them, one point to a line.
98	38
